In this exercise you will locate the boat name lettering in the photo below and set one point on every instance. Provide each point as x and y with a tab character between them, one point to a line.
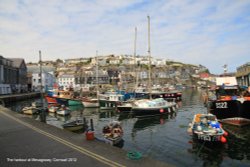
221	105
204	137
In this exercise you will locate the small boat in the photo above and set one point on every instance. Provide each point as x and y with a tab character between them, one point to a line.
63	110
90	103
113	133
53	108
205	127
30	110
75	125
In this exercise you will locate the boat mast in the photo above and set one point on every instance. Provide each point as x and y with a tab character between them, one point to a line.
97	75
149	58
135	70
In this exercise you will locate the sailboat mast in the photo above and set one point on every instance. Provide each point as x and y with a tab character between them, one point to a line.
97	75
135	70
149	58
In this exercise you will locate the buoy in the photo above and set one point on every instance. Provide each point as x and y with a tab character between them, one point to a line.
169	110
225	133
90	135
161	110
223	139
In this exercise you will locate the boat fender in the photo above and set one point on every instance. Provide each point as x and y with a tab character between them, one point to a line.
169	110
223	139
225	133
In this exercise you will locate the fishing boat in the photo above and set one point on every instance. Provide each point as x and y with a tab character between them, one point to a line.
231	105
113	133
30	110
63	111
75	125
205	127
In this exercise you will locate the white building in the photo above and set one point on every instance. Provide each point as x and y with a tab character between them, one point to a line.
48	79
66	80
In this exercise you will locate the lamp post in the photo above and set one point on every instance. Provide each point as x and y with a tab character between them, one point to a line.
42	114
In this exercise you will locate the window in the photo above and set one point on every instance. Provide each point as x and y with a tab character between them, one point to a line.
39	80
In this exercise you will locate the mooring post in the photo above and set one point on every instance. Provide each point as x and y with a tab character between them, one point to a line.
91	125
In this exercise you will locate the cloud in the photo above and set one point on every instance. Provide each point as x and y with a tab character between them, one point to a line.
210	33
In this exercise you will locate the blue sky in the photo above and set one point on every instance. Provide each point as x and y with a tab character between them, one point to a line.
208	32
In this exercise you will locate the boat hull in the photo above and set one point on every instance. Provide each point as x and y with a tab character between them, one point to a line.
74	102
63	112
233	112
138	111
62	101
108	105
90	104
30	110
50	100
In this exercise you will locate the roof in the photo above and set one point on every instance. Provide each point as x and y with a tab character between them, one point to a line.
36	69
227	81
16	62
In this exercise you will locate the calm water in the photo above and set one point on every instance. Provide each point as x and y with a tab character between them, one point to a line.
165	138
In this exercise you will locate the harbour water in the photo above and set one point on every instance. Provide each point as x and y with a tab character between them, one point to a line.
165	138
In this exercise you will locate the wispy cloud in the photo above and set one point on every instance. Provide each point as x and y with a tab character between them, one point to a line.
211	33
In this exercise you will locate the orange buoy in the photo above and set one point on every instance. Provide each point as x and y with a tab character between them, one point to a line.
223	139
90	135
161	110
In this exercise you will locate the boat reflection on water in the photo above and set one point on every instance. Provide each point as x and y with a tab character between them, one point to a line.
238	142
211	154
145	122
237	149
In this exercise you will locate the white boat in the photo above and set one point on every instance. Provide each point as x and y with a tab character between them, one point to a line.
90	103
53	108
75	125
30	110
63	111
153	107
